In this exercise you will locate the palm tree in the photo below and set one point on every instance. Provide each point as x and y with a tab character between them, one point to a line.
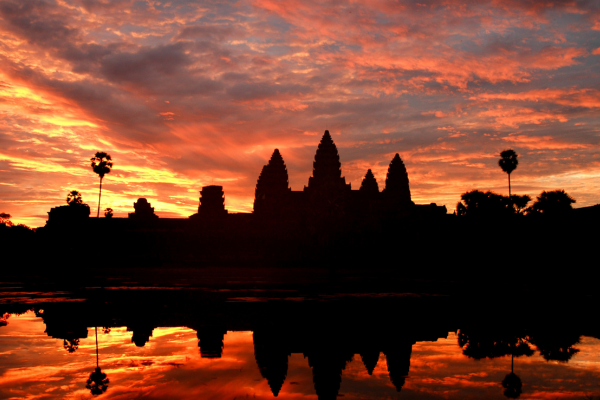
101	164
508	163
513	387
74	198
98	382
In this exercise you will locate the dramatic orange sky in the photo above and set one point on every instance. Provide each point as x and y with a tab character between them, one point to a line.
184	94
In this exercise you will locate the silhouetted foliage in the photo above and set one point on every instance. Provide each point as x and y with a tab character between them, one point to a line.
484	204
5	219
74	199
508	162
480	344
520	202
555	202
25	227
98	382
71	345
512	385
101	164
108	213
555	346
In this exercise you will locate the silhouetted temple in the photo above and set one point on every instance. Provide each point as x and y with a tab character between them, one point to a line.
143	210
323	220
329	196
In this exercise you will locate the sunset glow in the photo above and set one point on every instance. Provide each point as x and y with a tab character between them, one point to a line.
169	365
184	94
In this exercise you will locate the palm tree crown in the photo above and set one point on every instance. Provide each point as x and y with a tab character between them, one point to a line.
508	161
74	198
101	163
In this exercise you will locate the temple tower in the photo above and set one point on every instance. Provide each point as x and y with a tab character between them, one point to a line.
210	341
212	202
369	184
398	362
272	186
370	359
271	359
397	189
143	210
327	173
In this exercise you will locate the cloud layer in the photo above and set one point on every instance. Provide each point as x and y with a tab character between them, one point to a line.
184	94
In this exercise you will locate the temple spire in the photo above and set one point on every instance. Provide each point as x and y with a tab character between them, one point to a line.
370	359
326	167
396	182
272	183
369	184
271	359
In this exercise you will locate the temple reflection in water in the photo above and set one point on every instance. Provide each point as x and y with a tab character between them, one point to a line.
320	332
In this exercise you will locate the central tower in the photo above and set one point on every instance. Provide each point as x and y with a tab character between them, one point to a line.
327	173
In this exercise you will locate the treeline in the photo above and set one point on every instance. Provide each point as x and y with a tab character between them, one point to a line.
489	204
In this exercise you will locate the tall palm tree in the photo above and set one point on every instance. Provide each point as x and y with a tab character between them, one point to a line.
508	162
98	382
101	164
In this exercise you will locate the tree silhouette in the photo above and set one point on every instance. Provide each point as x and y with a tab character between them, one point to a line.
484	204
520	202
513	387
557	345
108	213
5	219
101	164
98	382
508	162
71	345
554	202
479	344
74	198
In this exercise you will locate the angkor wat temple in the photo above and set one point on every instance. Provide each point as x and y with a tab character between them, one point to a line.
328	194
285	224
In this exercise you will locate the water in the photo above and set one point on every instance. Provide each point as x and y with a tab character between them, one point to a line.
170	365
237	334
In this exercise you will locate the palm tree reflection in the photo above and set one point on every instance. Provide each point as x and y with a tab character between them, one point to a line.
513	387
480	344
71	345
97	383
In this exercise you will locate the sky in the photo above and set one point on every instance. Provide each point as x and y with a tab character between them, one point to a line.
184	94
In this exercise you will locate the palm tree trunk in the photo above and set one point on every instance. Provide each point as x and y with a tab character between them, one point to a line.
509	193
100	196
512	363
96	346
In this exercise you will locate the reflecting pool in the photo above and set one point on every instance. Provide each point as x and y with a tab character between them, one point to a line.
44	354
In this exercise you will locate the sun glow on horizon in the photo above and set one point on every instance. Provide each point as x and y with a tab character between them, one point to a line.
189	94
